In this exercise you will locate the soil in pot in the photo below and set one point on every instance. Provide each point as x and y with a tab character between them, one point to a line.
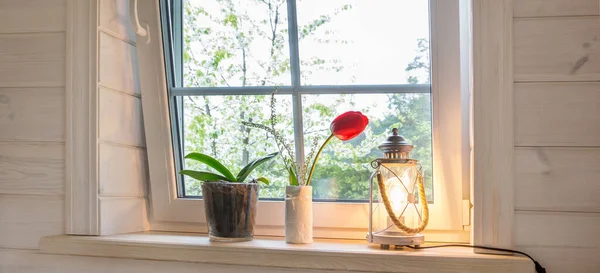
230	210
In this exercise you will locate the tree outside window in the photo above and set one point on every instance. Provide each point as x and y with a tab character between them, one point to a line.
238	43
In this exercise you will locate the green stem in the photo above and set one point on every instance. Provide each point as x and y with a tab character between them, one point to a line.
312	168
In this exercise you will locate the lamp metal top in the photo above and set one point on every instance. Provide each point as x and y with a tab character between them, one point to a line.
395	146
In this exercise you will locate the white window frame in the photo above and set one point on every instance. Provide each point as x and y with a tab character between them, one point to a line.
451	146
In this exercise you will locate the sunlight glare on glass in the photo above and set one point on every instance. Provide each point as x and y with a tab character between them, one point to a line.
345	42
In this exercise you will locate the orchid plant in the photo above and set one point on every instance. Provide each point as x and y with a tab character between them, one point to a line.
344	127
224	174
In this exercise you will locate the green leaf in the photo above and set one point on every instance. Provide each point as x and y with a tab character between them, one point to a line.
252	165
264	180
204	176
293	179
231	19
213	163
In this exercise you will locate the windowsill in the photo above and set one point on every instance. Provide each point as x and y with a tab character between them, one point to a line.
273	252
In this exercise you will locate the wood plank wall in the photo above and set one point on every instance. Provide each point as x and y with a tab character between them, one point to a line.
557	126
32	121
557	132
122	170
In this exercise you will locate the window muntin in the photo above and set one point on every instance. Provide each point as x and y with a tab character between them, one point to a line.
213	64
344	168
223	46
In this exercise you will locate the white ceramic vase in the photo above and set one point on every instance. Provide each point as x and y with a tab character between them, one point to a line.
298	215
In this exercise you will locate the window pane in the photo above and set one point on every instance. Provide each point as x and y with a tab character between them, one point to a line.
235	43
361	41
344	168
213	126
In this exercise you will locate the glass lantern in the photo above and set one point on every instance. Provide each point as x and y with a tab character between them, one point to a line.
397	216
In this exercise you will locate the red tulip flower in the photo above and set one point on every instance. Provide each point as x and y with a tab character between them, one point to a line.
345	127
349	125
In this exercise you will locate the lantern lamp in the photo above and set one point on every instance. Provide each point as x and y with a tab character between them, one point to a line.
397	216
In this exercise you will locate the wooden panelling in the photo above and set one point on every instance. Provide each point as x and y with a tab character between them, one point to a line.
81	183
557	215
32	15
565	259
118	65
557	179
32	168
492	123
32	47
543	8
120	118
122	215
25	219
557	114
122	170
557	49
114	17
23	261
38	74
32	114
557	229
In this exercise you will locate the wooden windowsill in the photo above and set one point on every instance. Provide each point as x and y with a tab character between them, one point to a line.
347	255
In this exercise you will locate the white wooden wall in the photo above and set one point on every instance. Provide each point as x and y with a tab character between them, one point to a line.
122	164
557	132
32	121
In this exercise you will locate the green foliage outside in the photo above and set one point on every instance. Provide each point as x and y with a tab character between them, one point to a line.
227	44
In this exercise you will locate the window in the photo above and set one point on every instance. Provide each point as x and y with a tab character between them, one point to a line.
223	59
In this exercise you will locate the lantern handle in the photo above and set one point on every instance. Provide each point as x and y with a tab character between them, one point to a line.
388	206
370	234
375	164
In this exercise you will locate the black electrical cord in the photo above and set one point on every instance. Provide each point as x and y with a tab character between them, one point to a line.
538	266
